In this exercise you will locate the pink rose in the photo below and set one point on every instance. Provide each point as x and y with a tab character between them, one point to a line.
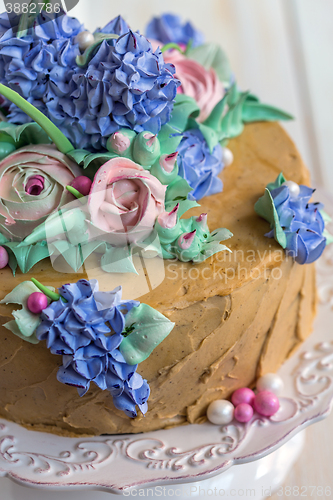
204	86
33	183
125	200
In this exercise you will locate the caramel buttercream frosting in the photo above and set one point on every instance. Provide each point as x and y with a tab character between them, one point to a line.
237	315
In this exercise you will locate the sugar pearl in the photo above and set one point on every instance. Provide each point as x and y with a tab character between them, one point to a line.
266	403
294	188
227	157
84	39
243	412
3	257
37	302
82	184
270	382
243	395
220	412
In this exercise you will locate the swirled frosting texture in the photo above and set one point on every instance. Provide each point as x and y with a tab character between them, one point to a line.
76	330
125	200
33	184
170	28
198	165
39	64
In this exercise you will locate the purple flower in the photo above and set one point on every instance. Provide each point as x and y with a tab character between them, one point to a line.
170	28
77	331
198	165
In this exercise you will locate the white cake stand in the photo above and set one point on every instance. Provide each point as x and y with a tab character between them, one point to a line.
182	460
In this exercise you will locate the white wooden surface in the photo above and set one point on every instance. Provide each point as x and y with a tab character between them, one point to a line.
282	51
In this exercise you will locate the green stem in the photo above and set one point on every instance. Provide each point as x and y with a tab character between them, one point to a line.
172	45
76	193
47	291
59	139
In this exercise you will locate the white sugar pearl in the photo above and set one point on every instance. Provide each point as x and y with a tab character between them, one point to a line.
84	39
227	157
294	188
220	412
270	382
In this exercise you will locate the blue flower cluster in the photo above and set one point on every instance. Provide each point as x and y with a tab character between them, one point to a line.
126	84
198	165
77	330
38	65
170	28
302	223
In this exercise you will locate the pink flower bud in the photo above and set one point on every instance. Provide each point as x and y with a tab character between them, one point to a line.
168	162
186	240
168	220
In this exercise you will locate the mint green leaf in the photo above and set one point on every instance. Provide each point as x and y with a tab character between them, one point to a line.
71	253
277	183
185	107
220	234
78	155
169	139
25	322
149	327
27	256
209	250
256	111
118	260
177	191
232	123
265	208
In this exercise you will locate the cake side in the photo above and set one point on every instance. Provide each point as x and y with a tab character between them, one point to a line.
240	316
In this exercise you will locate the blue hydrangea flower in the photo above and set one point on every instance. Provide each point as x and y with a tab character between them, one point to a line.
118	26
198	165
301	222
39	64
170	28
125	85
77	331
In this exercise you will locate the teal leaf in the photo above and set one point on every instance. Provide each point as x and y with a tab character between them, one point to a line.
27	256
265	208
177	191
209	250
71	253
185	107
118	260
220	234
277	183
232	123
210	55
169	139
25	322
255	111
149	329
78	155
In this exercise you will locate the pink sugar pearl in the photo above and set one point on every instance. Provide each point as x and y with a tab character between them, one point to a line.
37	302
266	403
243	395
82	184
3	257
243	412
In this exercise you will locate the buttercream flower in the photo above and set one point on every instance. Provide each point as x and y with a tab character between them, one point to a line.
125	200
198	165
33	184
170	28
204	86
296	224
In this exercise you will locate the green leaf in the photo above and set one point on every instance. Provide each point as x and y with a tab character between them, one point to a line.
185	107
232	123
71	253
265	208
118	260
277	183
150	329
169	139
209	250
78	155
27	256
210	55
255	111
177	190
220	234
25	322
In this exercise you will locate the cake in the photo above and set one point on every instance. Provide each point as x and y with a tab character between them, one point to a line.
220	316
